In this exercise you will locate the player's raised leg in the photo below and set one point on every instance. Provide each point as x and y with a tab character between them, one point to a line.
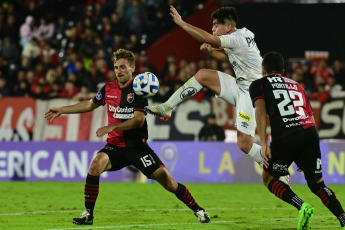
162	176
203	78
100	164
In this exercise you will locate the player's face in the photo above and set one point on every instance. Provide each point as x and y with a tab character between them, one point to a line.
123	71
219	29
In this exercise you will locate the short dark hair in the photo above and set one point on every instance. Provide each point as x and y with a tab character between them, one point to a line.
273	62
125	54
224	14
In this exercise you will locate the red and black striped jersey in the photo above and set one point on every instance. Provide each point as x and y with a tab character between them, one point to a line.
287	105
121	104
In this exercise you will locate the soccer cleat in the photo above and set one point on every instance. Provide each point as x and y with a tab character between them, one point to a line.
83	219
285	179
304	215
202	216
162	110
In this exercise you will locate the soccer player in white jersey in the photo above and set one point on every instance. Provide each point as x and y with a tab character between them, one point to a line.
226	43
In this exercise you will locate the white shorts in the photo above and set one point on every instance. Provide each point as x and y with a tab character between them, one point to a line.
240	98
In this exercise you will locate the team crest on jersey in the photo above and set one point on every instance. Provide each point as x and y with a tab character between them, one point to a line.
130	97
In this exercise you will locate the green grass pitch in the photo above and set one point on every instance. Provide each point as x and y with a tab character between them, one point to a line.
52	205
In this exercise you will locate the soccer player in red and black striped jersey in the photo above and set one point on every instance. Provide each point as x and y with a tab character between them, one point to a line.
294	138
126	140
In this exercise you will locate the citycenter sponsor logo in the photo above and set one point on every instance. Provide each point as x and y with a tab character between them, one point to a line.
122	113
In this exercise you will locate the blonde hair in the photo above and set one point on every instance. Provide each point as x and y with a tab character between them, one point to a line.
125	54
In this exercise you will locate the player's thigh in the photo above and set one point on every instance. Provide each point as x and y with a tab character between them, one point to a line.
209	79
228	88
245	114
116	156
144	159
282	157
99	164
309	157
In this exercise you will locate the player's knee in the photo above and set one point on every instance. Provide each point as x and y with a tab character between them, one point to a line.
316	187
244	145
170	184
203	76
266	178
95	169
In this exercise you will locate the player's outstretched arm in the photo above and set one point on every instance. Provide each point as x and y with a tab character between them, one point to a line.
199	34
134	123
216	53
81	107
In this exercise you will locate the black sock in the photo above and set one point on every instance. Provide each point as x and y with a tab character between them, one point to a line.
91	192
183	194
329	199
284	192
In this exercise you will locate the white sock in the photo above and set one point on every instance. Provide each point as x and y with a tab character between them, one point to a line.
256	154
189	89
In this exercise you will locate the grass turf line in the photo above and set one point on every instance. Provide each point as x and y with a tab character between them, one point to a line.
51	205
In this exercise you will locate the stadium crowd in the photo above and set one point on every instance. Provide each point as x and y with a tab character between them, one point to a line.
63	49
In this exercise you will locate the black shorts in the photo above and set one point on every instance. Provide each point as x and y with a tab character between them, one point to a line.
139	155
301	147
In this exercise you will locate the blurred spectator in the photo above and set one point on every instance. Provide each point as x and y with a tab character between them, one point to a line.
87	43
322	73
334	89
9	51
49	56
45	31
71	42
117	26
3	67
54	91
69	91
136	17
164	92
60	27
84	94
10	28
5	89
38	93
339	72
32	50
92	79
322	95
170	59
211	131
27	31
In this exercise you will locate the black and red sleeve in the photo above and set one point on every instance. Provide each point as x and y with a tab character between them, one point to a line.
140	103
99	99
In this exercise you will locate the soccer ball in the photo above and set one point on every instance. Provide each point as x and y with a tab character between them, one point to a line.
145	84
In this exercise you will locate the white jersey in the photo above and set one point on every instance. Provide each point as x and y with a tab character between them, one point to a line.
244	56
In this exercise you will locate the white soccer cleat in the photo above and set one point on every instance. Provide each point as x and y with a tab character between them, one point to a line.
162	110
202	216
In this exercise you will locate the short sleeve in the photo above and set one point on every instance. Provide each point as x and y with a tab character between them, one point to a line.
230	41
255	91
140	103
99	99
